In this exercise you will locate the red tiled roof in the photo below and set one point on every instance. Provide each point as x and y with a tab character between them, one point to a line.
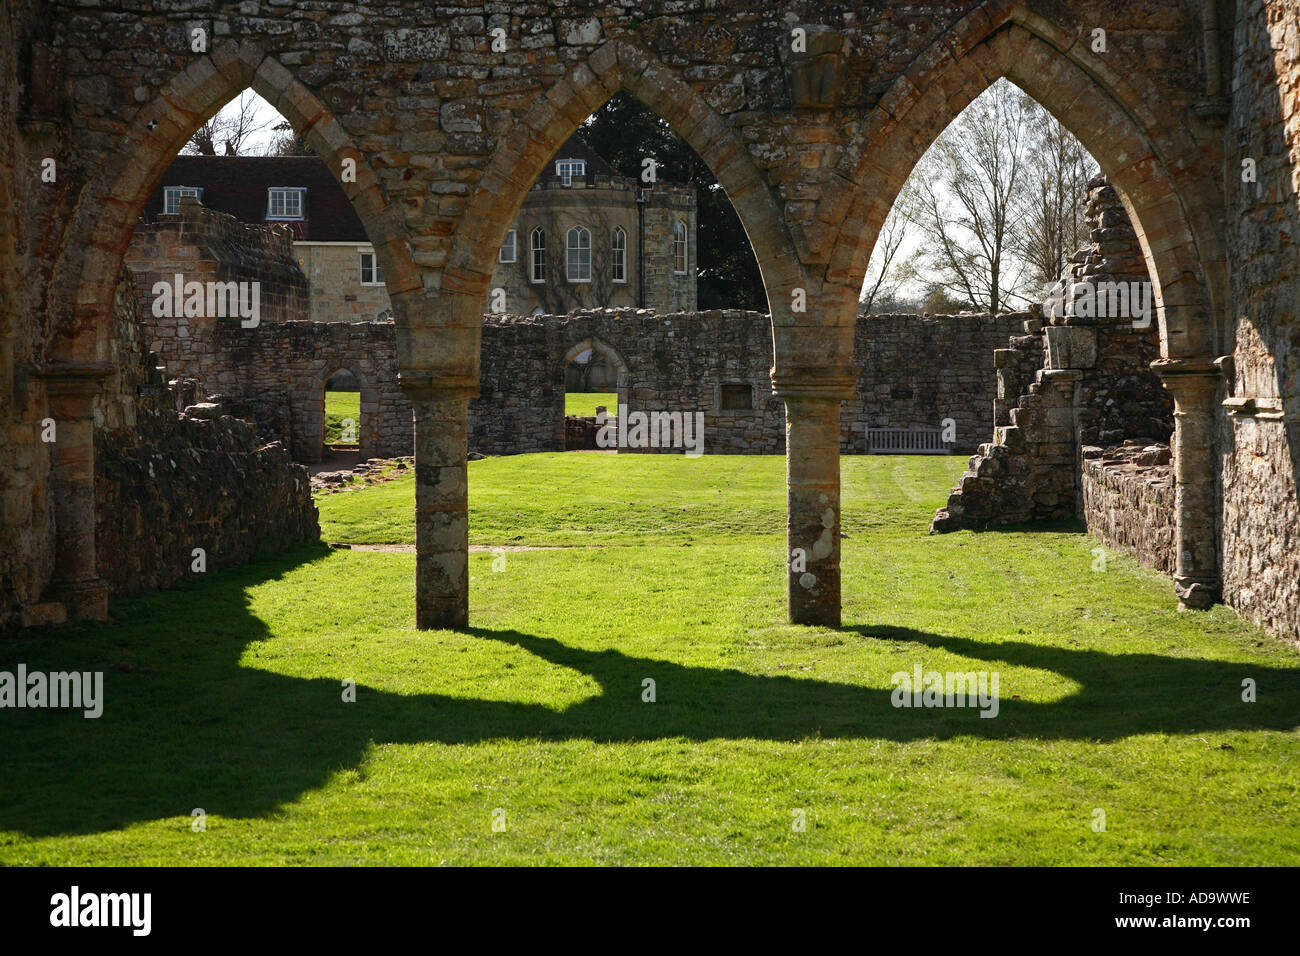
238	185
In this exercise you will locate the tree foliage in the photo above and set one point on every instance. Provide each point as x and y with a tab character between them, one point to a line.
992	213
625	133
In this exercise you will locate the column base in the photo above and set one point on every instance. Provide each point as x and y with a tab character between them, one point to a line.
84	600
811	609
435	614
1196	595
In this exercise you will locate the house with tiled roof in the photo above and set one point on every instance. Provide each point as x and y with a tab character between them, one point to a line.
585	236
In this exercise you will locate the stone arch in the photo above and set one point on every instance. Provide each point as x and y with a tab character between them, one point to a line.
521	156
597	344
367	425
116	197
1169	200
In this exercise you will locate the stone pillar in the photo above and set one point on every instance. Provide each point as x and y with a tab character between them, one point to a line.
70	393
812	451
1194	386
441	506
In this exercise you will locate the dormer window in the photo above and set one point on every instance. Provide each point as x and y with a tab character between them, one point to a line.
285	202
172	197
566	169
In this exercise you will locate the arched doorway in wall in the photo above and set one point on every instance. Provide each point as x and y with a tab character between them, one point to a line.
483	242
596	381
236	161
348	415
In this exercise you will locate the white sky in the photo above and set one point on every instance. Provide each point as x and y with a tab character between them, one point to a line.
258	143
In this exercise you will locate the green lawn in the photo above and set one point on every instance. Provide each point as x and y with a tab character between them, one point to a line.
584	403
226	696
340	406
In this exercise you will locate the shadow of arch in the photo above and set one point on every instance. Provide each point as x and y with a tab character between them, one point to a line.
521	156
116	197
248	740
1171	203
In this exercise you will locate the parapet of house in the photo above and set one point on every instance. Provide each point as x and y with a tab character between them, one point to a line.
203	245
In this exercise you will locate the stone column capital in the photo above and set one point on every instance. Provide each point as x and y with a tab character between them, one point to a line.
74	380
71	389
1060	376
1178	374
814	382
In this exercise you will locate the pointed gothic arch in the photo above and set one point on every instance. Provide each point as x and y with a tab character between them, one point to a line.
1171	205
116	196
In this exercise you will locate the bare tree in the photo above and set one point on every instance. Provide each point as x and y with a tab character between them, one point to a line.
230	129
998	202
970	199
890	269
1054	226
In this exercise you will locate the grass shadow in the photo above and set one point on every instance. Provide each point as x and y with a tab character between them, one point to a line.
187	725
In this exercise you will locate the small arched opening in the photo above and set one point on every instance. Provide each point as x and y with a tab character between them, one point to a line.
348	406
595	378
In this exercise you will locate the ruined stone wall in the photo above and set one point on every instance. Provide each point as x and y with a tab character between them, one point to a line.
673	363
1259	429
207	246
274	372
26	510
448	134
194	483
1081	381
914	371
167	483
276	375
1128	501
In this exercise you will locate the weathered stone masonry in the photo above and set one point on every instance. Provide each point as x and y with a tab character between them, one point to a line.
811	149
276	371
167	483
1078	382
917	371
